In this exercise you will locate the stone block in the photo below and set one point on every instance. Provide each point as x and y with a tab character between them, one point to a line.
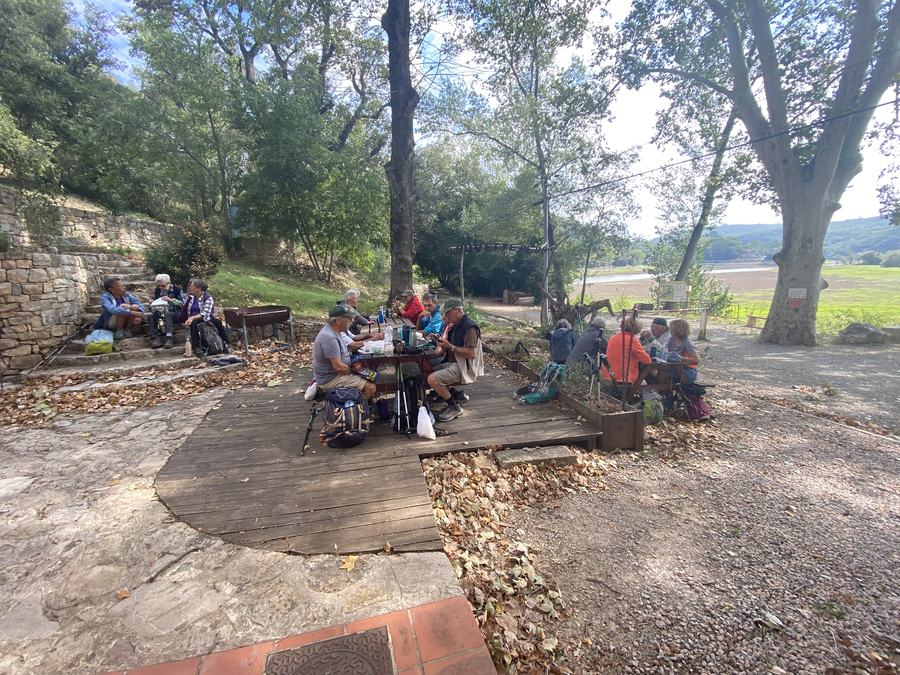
555	454
23	264
17	276
38	274
33	289
60	330
8	264
50	317
7	289
2	275
19	350
24	362
7	343
47	287
36	305
40	259
18	321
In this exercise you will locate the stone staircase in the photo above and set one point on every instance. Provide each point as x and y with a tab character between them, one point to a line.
134	361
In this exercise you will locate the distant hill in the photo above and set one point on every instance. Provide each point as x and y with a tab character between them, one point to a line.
844	238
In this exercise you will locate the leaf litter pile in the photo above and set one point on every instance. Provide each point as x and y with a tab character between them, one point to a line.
40	402
516	605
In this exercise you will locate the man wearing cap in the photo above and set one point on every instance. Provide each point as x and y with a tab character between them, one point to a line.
166	308
657	336
409	306
463	359
331	358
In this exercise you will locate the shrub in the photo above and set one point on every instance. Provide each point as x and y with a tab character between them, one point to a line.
891	259
195	250
870	258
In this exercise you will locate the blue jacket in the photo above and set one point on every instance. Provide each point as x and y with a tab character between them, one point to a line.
110	307
434	323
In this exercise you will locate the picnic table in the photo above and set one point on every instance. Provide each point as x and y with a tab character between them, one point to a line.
423	359
663	380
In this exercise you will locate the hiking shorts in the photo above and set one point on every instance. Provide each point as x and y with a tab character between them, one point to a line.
447	374
352	381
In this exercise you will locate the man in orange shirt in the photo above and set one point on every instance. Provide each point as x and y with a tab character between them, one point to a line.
625	350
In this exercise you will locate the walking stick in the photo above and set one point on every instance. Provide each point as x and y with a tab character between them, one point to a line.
312	416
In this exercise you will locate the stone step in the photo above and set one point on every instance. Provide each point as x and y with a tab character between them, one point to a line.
75	359
128	344
174	359
141	380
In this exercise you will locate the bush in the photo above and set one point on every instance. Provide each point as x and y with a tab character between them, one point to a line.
870	258
195	250
891	259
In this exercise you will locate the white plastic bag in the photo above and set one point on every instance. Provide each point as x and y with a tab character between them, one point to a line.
310	393
424	426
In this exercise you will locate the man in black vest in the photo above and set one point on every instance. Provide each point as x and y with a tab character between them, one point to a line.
463	359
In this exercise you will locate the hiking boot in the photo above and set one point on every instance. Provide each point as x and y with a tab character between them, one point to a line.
119	335
169	343
450	412
156	342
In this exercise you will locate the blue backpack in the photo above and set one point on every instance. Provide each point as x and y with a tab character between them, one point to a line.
345	418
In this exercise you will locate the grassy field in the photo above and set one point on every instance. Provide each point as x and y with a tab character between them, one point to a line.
238	284
865	293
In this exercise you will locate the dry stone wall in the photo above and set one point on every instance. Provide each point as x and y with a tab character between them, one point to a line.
43	297
80	229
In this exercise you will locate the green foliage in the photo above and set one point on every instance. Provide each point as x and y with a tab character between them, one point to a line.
41	215
192	251
870	258
892	259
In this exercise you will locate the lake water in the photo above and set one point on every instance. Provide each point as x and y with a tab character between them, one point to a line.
641	276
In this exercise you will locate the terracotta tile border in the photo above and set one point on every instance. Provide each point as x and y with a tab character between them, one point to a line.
440	637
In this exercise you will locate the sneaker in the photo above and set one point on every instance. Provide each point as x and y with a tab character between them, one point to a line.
169	343
156	343
450	412
127	333
119	335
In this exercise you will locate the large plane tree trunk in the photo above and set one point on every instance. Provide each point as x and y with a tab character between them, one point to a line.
400	169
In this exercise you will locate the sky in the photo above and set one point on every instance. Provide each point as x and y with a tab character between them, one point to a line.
633	124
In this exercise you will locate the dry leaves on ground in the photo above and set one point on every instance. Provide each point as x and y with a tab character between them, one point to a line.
516	606
40	402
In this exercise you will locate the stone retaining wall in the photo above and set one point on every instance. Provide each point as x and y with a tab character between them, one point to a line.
80	229
42	298
265	251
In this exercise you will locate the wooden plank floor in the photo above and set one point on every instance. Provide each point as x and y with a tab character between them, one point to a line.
240	475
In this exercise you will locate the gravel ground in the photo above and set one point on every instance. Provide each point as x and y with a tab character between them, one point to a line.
675	567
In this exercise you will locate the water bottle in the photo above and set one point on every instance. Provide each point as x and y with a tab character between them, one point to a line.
388	341
380	315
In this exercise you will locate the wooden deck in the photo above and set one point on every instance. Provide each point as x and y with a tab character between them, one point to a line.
240	475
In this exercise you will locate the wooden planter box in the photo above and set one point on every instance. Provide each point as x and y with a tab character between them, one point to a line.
621	430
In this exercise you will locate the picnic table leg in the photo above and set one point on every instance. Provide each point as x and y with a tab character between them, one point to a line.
246	337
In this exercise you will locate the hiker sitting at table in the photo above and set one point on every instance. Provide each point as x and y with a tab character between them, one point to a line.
656	338
681	350
122	312
409	306
430	320
199	307
351	299
562	341
623	352
591	342
463	359
169	314
331	358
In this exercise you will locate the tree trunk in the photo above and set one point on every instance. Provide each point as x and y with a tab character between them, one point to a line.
792	315
400	169
587	262
709	197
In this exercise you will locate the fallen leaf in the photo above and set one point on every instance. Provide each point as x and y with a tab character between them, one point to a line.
387	548
349	562
123	593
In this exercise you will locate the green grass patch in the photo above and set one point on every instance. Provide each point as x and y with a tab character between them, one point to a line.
238	284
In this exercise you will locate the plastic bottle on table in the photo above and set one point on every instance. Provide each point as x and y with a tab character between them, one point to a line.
380	315
388	341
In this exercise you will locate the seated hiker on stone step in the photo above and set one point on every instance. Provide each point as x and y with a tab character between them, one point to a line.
122	312
199	306
168	314
331	357
463	359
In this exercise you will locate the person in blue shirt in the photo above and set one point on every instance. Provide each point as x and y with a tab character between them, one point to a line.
430	321
122	312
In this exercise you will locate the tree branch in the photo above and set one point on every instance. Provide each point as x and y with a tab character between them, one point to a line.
695	77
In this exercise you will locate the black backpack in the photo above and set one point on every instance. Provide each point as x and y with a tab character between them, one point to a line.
210	340
345	418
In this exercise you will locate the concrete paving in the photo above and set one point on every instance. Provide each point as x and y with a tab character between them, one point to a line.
97	575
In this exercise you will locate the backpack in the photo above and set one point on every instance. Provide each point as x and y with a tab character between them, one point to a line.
695	406
546	388
210	340
345	418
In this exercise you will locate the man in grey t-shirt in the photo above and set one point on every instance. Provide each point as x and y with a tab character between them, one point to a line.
331	360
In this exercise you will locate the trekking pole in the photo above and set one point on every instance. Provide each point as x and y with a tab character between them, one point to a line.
309	426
